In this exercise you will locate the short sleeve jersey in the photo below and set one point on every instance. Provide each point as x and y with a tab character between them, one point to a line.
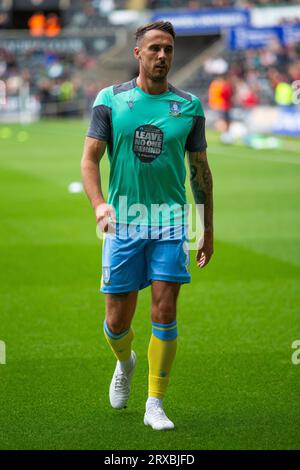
147	136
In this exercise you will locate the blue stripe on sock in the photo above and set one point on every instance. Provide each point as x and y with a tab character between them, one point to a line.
113	335
165	325
162	332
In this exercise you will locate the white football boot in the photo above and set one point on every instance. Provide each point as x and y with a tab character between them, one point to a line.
156	417
119	389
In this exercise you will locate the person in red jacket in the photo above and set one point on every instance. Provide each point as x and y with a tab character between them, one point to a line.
226	93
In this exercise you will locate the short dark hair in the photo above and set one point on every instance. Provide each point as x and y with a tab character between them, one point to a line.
165	26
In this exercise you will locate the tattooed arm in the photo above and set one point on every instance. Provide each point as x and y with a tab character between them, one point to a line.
202	188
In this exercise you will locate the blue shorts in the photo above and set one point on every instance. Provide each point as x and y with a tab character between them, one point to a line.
131	262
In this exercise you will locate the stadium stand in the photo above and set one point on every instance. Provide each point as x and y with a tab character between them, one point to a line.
192	4
61	72
52	78
87	14
255	74
42	64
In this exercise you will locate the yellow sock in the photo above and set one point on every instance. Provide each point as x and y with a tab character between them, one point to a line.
120	344
161	354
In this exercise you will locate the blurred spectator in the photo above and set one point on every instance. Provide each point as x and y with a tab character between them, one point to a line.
214	94
284	94
226	95
37	24
52	27
4	19
106	6
90	14
244	95
220	95
216	66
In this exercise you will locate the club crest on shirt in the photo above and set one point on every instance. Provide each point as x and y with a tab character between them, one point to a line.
130	104
175	109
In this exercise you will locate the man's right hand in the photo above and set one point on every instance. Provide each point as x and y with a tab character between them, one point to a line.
105	217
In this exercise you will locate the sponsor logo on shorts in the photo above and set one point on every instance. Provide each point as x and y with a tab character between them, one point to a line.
106	275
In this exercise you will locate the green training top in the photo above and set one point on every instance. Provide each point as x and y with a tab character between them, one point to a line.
147	136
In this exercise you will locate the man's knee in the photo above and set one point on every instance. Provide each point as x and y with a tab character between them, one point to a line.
118	312
164	311
115	325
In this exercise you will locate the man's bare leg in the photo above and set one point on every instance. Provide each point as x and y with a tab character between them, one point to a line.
120	309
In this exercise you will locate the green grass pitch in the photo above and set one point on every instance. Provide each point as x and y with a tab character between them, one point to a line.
233	385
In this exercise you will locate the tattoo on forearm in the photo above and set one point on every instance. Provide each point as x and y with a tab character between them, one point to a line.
193	172
199	195
202	185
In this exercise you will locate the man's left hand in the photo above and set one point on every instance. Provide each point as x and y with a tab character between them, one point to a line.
206	251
